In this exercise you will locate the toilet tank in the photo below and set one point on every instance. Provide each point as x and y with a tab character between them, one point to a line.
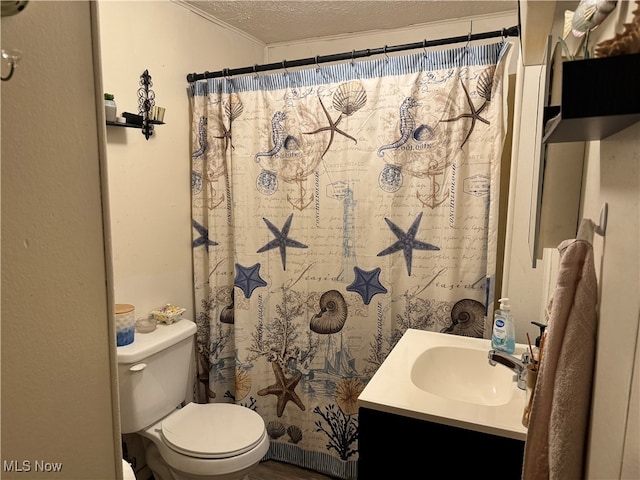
153	374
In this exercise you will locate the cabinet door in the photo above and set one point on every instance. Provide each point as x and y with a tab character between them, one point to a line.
394	446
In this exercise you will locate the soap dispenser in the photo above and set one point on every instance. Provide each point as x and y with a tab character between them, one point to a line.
536	349
503	337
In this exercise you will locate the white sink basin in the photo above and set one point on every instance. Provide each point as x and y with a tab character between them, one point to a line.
447	379
463	374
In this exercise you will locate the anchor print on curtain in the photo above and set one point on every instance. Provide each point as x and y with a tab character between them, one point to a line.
333	209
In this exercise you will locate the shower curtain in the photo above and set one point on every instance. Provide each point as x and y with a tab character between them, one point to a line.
333	208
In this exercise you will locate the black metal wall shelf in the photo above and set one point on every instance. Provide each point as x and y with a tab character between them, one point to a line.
133	125
600	97
146	102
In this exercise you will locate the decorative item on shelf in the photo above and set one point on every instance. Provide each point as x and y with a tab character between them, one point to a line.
146	101
157	114
588	15
148	114
133	119
110	107
625	43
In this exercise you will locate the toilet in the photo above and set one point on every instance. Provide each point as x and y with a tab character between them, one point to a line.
217	441
127	471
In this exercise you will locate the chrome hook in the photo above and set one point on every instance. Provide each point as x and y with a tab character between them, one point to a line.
13	57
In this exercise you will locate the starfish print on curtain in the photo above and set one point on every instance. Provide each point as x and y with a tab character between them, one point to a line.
284	389
485	83
248	279
203	239
407	241
367	284
348	98
282	240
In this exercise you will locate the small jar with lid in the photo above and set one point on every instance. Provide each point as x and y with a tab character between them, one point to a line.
110	108
125	324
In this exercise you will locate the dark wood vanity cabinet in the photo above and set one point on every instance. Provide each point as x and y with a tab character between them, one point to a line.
394	446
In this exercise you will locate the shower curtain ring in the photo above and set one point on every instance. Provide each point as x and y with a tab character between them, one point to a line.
385	53
255	70
284	67
424	46
317	62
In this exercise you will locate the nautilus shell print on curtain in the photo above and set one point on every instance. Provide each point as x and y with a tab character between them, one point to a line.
467	319
332	315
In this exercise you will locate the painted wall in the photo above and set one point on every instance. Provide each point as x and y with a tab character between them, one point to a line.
58	388
149	180
380	38
613	176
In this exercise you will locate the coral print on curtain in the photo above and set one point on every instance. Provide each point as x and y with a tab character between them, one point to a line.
333	209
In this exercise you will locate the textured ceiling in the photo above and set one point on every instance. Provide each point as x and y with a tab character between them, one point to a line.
285	21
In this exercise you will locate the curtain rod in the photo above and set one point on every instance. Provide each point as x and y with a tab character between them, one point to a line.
505	32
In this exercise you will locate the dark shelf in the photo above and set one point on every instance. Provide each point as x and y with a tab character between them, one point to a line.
142	120
133	125
600	97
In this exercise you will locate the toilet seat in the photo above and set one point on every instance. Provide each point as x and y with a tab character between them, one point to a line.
213	430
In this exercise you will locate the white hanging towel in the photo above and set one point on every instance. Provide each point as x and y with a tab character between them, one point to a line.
557	437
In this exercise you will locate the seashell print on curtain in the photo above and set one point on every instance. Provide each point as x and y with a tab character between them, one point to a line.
333	209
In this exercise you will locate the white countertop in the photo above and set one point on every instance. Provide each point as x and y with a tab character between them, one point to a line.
391	390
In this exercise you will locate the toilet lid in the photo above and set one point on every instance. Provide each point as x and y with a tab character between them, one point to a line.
213	430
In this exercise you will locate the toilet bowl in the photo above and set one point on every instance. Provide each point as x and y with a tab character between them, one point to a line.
218	441
127	471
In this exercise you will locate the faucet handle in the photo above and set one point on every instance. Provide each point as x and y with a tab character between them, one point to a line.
503	359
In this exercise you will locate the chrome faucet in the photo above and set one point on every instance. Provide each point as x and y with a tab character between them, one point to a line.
519	367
